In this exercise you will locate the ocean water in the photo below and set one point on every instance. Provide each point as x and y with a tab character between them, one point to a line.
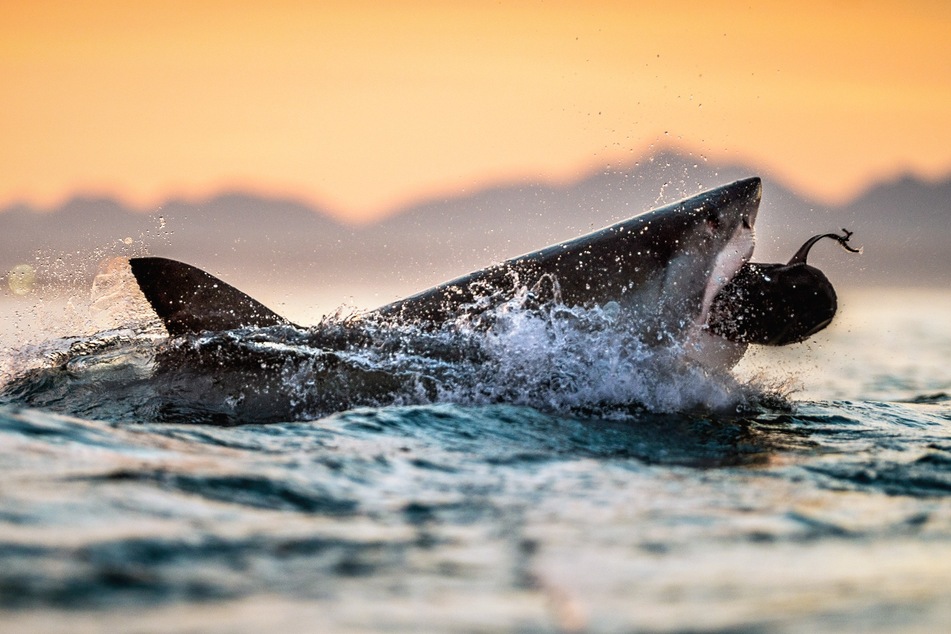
551	476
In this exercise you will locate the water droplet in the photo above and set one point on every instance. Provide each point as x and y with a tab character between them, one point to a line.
21	279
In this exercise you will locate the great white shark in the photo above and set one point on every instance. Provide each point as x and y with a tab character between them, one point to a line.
681	273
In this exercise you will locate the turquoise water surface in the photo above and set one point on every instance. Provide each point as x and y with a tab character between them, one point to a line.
552	479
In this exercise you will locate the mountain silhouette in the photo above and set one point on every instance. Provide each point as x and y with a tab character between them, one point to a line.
904	225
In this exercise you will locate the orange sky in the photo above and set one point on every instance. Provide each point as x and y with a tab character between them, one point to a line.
364	106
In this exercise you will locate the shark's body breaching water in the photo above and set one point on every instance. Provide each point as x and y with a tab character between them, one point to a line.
661	269
617	316
673	271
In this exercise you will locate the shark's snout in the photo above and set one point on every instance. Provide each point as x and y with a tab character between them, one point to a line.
746	195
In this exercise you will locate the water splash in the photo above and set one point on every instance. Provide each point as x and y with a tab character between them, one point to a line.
549	357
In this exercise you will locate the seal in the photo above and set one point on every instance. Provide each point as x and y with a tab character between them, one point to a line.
777	304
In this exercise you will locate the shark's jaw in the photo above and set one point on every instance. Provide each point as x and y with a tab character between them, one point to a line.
700	344
737	252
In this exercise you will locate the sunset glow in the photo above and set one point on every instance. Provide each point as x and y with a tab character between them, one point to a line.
362	107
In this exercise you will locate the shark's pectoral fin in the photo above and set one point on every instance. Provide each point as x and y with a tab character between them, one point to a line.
189	301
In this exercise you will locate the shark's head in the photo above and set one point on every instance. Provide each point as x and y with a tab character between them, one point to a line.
722	228
699	244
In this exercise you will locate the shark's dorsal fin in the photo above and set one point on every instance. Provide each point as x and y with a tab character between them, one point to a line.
190	301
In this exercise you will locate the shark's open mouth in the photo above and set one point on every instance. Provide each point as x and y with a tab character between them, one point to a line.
727	265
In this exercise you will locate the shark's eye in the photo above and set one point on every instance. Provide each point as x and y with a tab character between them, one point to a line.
713	222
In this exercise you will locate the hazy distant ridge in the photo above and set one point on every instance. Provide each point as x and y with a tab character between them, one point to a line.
904	225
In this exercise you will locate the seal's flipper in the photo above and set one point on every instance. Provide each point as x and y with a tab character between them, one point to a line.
190	301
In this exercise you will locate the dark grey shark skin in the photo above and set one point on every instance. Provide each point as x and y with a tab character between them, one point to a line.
663	268
190	301
659	262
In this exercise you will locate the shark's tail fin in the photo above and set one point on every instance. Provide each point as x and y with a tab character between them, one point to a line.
189	301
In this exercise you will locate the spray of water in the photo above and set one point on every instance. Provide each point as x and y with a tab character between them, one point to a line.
526	352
